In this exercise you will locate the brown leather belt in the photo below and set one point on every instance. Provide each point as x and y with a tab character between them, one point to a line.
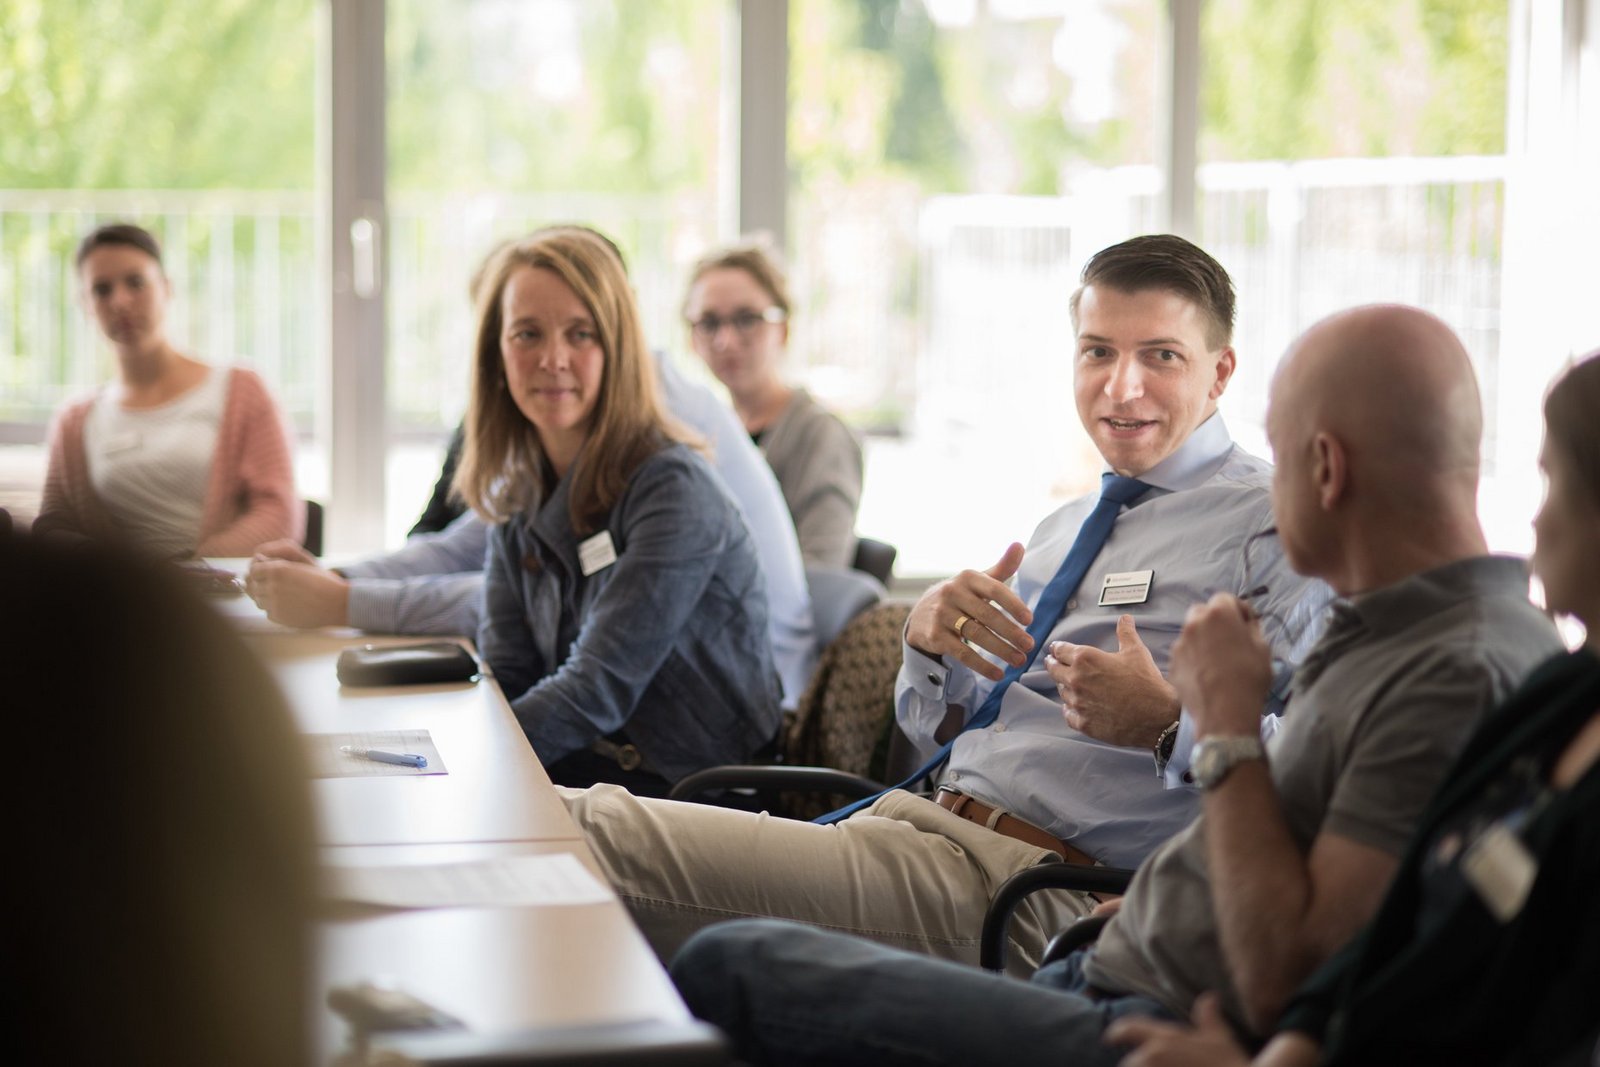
1003	822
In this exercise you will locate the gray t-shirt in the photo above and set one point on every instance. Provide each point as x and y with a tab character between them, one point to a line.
1379	708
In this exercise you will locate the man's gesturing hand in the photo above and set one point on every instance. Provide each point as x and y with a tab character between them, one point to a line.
1118	697
990	615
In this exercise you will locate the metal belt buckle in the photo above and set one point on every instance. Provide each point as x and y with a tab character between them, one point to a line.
958	799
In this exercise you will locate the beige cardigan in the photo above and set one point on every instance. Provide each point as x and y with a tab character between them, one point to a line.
818	463
250	496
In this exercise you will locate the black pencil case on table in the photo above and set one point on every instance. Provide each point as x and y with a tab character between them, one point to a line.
423	664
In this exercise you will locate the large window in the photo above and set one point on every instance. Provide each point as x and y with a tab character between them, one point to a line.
1373	171
956	163
938	153
947	167
200	121
191	117
507	114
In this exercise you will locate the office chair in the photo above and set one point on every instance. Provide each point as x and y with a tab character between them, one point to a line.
875	558
837	596
841	742
1061	875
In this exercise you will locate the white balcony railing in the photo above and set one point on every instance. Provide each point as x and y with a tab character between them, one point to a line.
943	318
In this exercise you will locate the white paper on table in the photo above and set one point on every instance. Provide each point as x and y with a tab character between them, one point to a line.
511	881
329	760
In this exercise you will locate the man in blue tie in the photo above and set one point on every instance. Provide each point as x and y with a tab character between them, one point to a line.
1376	426
1034	688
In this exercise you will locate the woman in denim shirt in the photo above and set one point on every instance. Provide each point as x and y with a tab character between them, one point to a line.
624	606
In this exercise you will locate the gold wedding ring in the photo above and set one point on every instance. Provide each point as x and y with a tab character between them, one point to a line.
960	625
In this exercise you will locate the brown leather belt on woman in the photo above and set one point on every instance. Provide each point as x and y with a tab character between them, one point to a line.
1003	822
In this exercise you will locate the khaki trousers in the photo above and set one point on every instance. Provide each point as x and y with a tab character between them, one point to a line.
904	872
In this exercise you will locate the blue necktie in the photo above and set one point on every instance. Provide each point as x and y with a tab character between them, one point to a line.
1115	491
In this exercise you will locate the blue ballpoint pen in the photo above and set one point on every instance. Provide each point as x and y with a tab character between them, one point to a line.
404	759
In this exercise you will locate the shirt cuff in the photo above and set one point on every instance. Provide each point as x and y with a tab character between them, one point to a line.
1177	775
374	604
927	675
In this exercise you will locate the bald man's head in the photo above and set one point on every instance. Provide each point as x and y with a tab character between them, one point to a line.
1386	394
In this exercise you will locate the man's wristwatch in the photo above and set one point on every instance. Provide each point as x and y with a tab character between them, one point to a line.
1163	747
1215	757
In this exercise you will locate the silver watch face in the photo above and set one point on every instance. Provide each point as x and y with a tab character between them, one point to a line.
1208	763
1215	757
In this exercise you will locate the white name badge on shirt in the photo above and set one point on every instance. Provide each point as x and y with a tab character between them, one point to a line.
1501	869
1126	587
597	553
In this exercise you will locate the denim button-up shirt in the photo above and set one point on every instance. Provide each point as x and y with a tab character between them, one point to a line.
669	642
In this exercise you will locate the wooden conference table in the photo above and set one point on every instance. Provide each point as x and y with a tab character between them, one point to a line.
499	970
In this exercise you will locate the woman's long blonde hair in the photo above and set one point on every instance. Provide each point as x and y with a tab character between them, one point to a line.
503	470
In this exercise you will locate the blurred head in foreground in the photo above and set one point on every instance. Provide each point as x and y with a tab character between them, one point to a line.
166	872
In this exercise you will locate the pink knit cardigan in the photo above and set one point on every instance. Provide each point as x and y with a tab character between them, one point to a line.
250	497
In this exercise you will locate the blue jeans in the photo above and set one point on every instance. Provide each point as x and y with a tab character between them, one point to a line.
786	993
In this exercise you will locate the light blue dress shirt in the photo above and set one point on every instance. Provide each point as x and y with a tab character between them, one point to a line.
434	583
1207	500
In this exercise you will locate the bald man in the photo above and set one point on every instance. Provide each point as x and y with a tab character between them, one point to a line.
1375	424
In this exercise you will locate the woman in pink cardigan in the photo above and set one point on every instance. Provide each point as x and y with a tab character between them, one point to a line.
176	456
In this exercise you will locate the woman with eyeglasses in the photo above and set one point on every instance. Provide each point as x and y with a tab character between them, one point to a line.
625	610
738	311
176	457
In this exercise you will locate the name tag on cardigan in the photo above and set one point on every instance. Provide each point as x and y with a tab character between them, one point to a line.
1126	587
597	553
1501	869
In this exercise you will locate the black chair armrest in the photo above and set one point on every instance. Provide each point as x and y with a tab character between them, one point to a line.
1074	937
775	777
992	950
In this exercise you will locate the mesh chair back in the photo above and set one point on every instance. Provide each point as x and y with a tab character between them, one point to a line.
845	718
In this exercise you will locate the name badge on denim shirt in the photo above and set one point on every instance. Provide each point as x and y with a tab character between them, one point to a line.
597	553
1126	587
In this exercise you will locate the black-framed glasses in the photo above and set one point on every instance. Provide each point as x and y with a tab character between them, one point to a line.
744	322
1291	634
1253	593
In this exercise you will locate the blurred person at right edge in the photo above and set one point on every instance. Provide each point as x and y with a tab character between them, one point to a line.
738	312
1487	946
